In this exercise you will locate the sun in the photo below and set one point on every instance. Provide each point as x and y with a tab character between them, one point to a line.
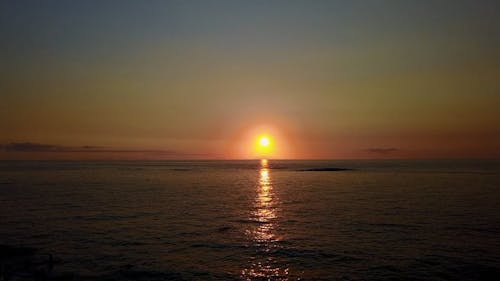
264	141
264	146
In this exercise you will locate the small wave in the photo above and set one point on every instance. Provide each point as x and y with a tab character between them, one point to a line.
213	245
110	217
251	221
325	169
314	254
395	225
224	228
129	273
126	243
486	229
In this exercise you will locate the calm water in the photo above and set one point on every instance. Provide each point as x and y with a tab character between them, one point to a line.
250	220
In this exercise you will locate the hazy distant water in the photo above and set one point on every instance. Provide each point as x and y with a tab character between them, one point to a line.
225	220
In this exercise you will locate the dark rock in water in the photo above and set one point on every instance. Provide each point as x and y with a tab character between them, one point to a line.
23	263
9	252
327	169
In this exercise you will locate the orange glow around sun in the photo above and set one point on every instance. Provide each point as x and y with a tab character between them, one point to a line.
261	142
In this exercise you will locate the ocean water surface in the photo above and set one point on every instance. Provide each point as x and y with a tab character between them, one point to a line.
256	220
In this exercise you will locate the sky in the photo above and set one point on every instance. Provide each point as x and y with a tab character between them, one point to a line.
203	79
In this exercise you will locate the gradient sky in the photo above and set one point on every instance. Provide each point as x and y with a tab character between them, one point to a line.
198	79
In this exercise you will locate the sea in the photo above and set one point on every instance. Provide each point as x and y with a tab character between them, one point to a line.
250	220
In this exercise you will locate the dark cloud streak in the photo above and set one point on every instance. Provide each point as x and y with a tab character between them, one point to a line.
382	150
39	147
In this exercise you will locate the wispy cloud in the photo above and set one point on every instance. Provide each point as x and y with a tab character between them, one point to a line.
382	150
40	147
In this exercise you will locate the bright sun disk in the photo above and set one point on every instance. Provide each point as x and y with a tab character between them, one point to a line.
264	146
264	141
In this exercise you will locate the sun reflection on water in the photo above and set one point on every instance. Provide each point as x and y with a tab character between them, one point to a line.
263	233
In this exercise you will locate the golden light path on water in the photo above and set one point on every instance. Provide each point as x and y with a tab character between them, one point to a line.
265	235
